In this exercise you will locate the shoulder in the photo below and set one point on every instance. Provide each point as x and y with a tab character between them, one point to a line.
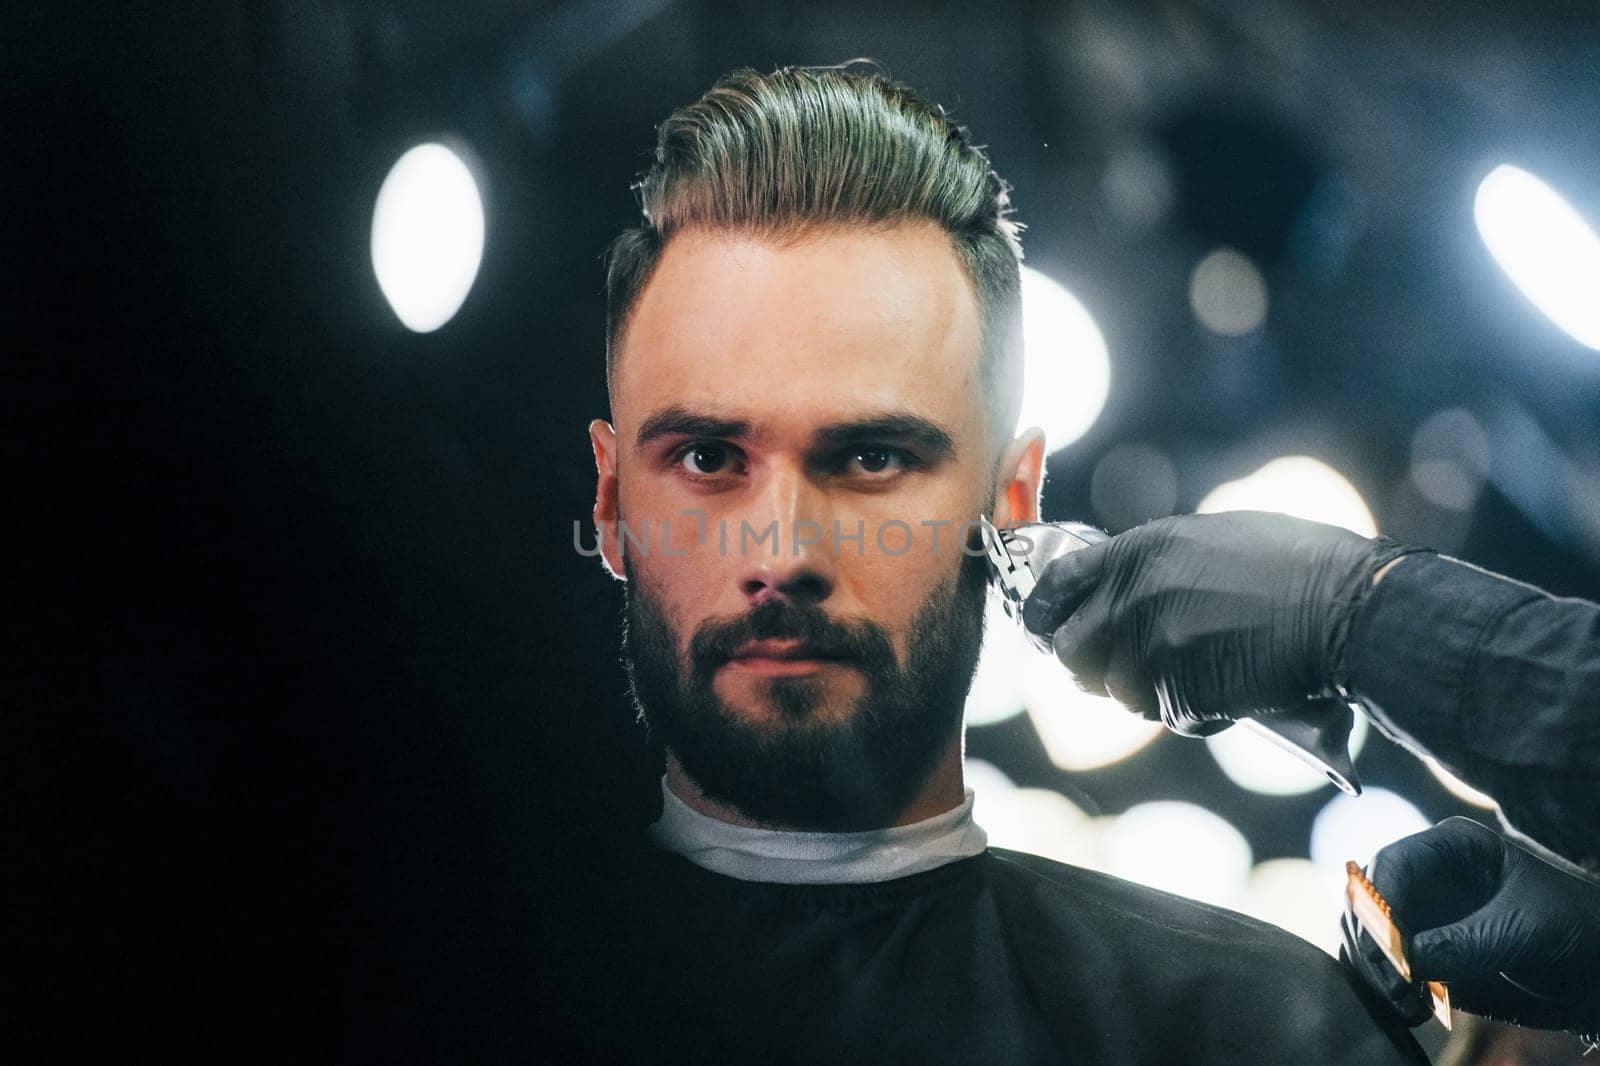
1137	912
1215	976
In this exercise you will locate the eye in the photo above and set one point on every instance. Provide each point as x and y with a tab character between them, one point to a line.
707	458
877	461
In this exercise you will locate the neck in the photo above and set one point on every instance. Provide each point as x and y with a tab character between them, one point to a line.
943	790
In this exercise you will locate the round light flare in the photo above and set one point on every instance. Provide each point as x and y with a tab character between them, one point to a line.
1180	848
1132	483
427	236
985	779
1355	827
1066	368
1039	821
1545	247
1079	731
998	691
1253	762
1293	895
1450	458
1296	485
1227	293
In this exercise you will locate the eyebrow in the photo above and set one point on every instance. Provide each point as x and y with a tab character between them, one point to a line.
901	428
682	422
894	426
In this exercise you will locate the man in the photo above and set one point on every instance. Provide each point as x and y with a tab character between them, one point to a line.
814	338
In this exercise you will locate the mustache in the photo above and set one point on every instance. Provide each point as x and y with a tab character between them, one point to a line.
714	643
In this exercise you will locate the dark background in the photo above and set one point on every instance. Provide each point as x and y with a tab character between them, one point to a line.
312	704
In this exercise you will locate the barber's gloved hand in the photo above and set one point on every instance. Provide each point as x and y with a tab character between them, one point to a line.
1514	938
1200	620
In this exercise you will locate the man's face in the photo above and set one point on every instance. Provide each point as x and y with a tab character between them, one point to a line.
830	386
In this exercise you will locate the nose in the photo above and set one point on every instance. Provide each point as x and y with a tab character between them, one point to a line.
798	566
796	584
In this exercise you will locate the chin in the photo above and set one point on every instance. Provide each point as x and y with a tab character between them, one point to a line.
777	700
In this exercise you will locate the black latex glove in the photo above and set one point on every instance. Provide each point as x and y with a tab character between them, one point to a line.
1515	938
1199	620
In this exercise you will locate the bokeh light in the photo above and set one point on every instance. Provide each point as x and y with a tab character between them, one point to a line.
985	779
1293	895
1296	485
1039	821
1253	762
1355	827
1067	371
1227	293
1450	459
1133	483
1138	184
1179	847
427	236
1080	731
1545	247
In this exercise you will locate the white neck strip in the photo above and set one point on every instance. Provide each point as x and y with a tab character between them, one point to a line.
779	856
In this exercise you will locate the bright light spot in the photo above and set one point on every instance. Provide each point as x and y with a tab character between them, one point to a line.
998	691
1450	459
1179	847
1457	787
427	236
1039	821
1133	483
1355	827
1296	485
1293	895
1227	293
1080	731
985	779
1545	247
1067	371
1036	820
1252	761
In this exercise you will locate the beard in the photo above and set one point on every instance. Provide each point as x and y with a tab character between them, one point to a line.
809	766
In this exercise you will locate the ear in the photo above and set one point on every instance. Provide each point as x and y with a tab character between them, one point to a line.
1019	479
604	439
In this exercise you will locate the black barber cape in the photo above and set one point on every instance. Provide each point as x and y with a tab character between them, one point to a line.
998	958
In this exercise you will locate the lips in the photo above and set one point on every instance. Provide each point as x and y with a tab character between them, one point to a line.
781	649
773	659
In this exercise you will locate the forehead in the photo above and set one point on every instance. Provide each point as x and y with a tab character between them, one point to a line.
797	332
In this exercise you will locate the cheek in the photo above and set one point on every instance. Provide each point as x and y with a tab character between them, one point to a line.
682	588
891	589
659	538
642	497
920	548
921	532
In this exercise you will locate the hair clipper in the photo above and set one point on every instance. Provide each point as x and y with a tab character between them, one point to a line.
1316	732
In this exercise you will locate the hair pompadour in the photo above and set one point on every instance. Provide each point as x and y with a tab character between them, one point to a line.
774	155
